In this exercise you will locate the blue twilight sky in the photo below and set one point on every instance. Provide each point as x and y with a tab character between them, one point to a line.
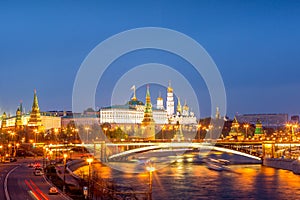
255	44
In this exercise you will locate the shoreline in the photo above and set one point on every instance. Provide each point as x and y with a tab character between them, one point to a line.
286	164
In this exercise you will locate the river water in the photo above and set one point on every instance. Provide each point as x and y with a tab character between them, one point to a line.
193	181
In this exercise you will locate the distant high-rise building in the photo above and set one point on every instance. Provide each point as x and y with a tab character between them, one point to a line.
218	116
267	120
295	118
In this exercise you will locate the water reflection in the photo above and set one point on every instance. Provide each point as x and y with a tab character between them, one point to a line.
195	181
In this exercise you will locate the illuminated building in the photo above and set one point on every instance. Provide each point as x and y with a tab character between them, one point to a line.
267	120
79	120
235	131
170	101
133	112
130	113
35	120
160	103
258	129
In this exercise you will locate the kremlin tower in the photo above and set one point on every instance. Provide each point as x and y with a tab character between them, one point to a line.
258	129
3	124
35	120
170	100
148	124
19	122
235	131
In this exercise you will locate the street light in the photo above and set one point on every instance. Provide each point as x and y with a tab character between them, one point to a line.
89	160
76	134
246	126
163	132
199	131
65	161
150	169
87	134
0	151
105	129
17	145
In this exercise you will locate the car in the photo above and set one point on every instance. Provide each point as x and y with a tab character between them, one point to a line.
30	165
13	159
53	190
38	172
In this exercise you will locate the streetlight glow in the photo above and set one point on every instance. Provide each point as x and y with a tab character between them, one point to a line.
89	160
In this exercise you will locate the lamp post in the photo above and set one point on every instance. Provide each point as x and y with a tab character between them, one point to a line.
1	152
87	134
76	134
13	151
199	131
210	126
150	169
9	150
16	149
89	160
105	129
163	132
246	126
65	162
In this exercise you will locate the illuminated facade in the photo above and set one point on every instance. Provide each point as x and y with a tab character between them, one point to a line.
170	101
133	112
33	120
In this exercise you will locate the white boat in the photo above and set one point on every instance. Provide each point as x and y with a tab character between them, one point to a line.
217	164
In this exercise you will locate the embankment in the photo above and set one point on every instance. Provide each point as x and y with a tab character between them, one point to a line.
287	164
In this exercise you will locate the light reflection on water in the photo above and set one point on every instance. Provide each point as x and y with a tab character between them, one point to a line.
195	181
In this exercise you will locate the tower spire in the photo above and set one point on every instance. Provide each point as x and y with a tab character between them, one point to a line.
35	105
179	107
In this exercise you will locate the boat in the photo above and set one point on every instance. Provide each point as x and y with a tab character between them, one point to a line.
217	164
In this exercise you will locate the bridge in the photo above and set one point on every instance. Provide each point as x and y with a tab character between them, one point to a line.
122	150
203	148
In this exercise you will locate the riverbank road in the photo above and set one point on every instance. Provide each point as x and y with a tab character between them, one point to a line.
18	181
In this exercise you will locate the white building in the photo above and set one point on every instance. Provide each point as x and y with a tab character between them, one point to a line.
170	100
131	113
48	122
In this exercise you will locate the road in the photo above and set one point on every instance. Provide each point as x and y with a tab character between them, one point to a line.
23	184
4	170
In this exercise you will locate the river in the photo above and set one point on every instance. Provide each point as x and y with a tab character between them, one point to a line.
193	181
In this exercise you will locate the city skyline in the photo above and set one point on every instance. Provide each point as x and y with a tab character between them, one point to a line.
253	44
